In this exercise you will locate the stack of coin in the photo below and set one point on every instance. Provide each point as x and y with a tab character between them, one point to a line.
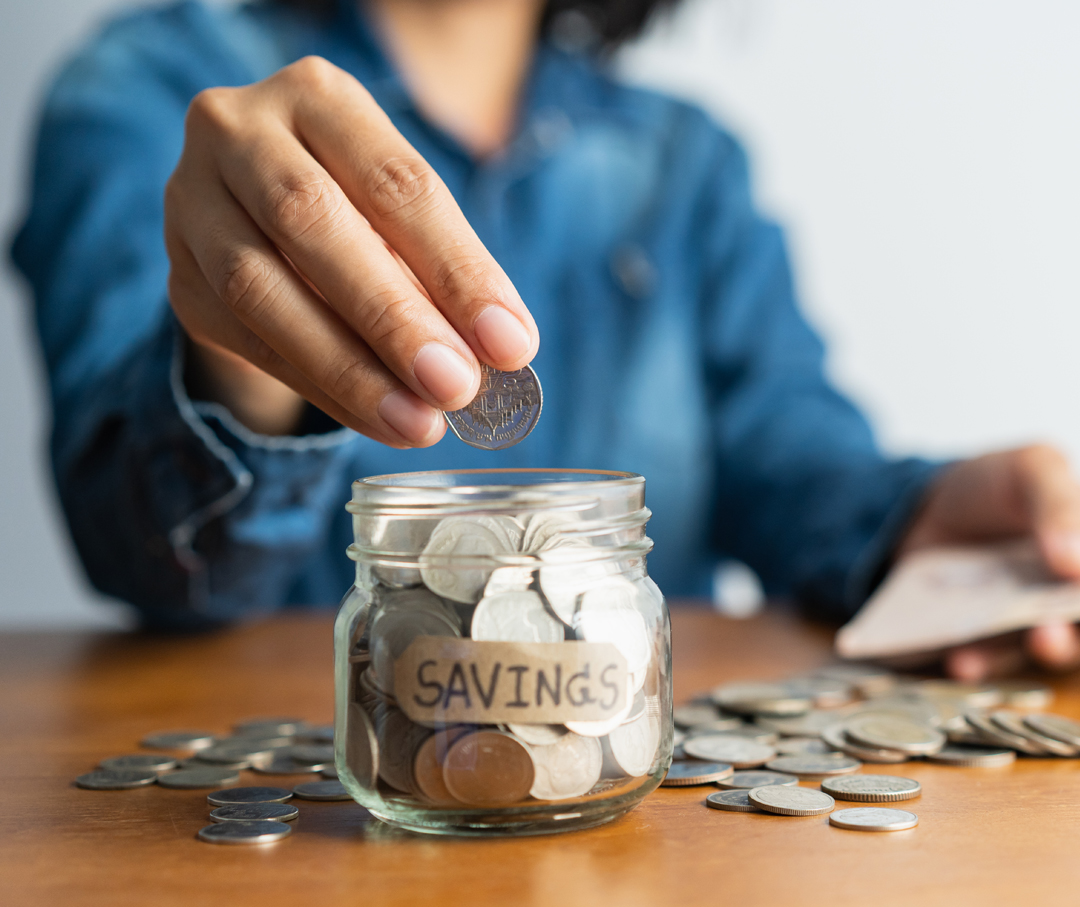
557	588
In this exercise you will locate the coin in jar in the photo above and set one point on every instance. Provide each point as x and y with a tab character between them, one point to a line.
244	832
515	617
692	773
735	801
750	780
488	768
791	801
872	818
569	767
116	779
738	751
632	748
871	788
255	812
428	764
505	409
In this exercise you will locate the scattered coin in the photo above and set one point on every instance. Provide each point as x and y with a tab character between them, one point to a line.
321	754
322	790
255	812
973	757
178	740
686	716
736	801
810	724
813	766
838	739
790	746
873	818
791	801
330	773
139	762
1014	723
871	788
738	751
506	408
195	778
988	732
895	733
244	832
1023	694
690	774
771	699
249	795
750	780
116	779
268	727
869	680
1057	726
283	765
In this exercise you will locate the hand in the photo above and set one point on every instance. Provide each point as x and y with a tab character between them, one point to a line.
1026	492
308	239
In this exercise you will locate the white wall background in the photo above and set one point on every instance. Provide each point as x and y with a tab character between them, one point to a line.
925	155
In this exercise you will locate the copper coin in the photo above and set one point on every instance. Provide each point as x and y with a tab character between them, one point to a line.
428	765
488	768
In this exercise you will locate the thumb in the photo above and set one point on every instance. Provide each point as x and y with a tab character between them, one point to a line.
1052	499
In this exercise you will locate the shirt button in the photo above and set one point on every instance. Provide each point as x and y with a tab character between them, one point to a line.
633	270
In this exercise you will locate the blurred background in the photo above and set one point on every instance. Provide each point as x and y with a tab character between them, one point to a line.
923	155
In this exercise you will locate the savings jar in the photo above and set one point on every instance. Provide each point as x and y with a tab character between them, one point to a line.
502	661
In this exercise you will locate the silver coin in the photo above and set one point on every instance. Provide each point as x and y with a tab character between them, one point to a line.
538	734
320	733
826	692
686	716
990	733
515	617
268	727
546	526
235	755
746	731
871	788
569	767
632	748
735	801
249	795
255	812
691	774
773	699
322	790
1057	726
738	751
836	738
895	733
506	408
810	724
310	753
1014	723
873	818
813	766
790	746
244	832
609	612
392	632
139	762
569	568
195	778
1021	694
116	779
750	780
281	765
330	773
791	801
870	680
457	538
178	740
973	757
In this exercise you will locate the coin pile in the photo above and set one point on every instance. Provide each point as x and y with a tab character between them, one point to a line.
560	587
243	815
825	726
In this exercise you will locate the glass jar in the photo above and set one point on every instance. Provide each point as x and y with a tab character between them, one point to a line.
503	661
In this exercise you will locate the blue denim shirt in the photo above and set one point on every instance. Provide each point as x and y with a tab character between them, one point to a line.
671	342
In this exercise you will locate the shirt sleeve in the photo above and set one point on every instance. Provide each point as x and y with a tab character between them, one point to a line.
172	505
803	495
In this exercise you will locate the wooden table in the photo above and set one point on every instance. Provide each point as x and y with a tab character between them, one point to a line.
987	836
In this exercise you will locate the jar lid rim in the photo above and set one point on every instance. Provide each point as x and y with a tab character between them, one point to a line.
604	478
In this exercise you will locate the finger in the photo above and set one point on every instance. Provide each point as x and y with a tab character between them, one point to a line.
1055	646
1052	498
328	364
408	204
987	658
296	203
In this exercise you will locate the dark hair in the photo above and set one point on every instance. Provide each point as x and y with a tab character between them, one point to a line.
600	25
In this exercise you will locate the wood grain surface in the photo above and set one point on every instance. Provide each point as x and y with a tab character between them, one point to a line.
1006	836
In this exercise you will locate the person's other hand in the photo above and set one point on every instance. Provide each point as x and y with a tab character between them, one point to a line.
311	243
1026	492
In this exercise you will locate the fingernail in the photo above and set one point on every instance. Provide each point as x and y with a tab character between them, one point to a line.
409	416
502	336
444	374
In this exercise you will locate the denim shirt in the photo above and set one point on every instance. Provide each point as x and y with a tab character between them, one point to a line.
671	341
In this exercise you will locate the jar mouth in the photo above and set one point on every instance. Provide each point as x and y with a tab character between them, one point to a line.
466	481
